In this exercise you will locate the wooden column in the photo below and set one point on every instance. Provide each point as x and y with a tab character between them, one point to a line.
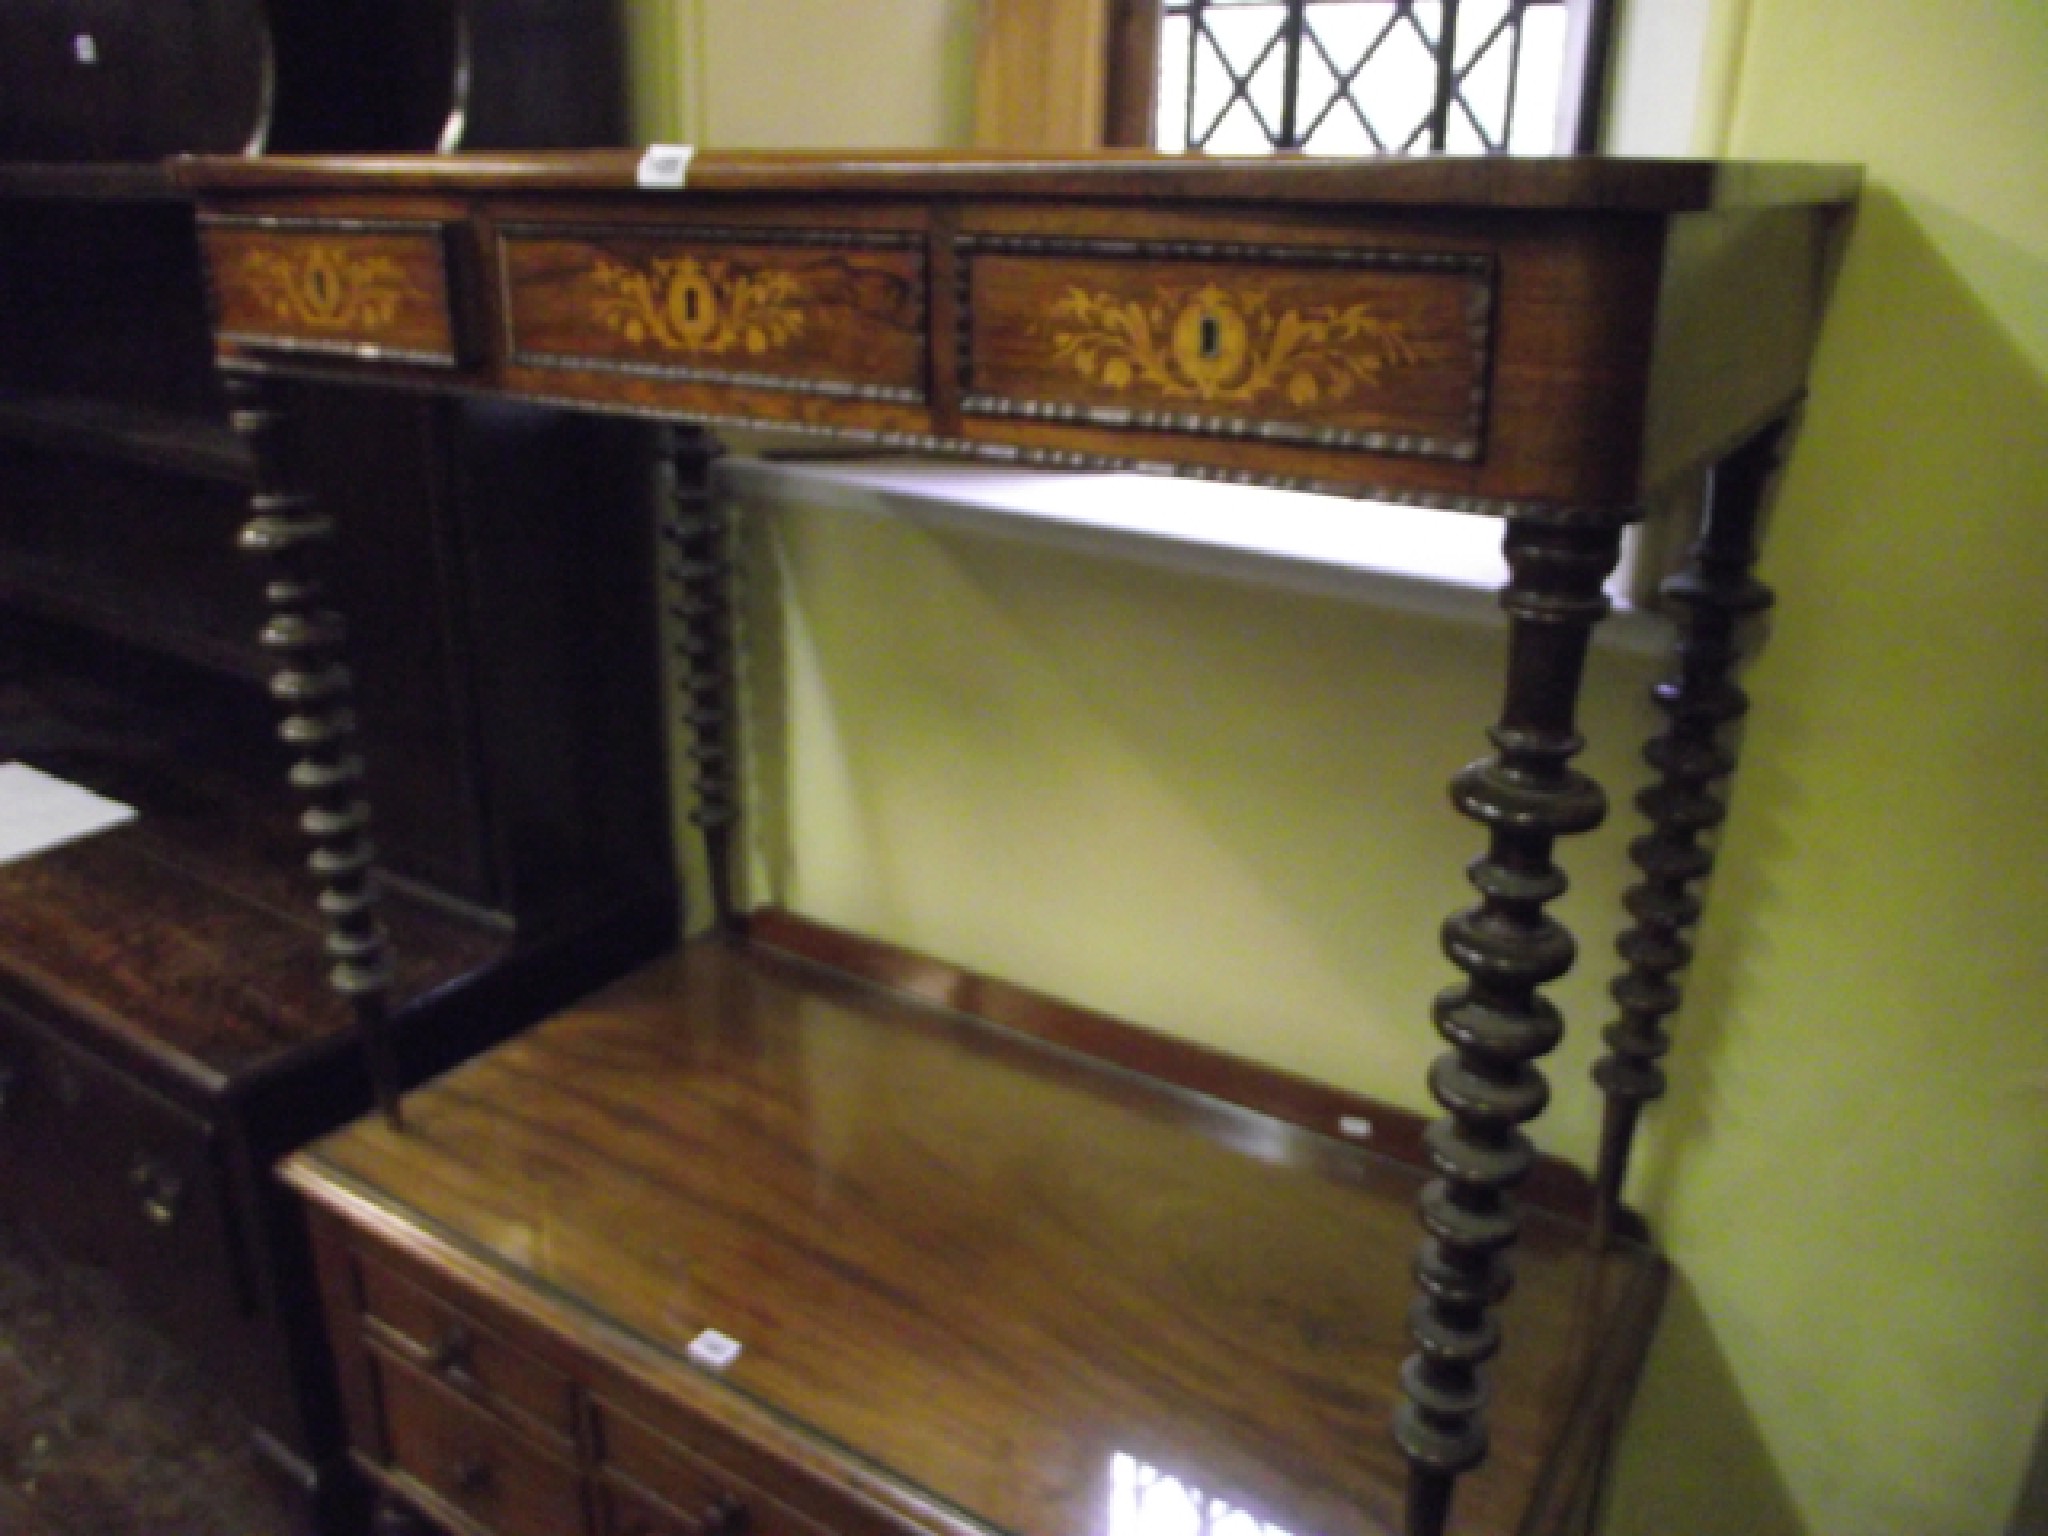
1710	598
1497	1022
314	687
698	563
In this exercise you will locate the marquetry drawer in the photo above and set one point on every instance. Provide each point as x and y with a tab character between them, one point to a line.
465	1457
362	288
1381	350
828	312
443	1342
650	1486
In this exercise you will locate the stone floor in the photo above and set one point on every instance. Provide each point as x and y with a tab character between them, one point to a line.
105	1428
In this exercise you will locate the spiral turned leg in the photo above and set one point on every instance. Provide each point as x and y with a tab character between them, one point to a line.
1496	1021
699	579
1711	597
314	687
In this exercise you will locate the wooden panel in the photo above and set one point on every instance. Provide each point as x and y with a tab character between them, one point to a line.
826	312
467	1357
1356	348
363	288
463	1456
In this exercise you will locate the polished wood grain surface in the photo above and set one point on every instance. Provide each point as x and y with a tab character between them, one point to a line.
187	933
1391	1132
1003	1277
1587	182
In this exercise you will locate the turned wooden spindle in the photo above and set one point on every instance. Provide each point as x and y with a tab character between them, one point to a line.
699	581
314	687
1497	1021
1710	598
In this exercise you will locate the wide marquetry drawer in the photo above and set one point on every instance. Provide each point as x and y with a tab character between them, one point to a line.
834	312
1384	350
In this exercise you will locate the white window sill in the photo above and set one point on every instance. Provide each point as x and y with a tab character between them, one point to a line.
1417	559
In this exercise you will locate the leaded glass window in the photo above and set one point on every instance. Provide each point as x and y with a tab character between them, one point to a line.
1363	77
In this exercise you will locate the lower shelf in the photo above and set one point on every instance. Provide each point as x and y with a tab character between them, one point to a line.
978	1282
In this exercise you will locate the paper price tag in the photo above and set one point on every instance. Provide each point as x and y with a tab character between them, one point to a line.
665	165
713	1350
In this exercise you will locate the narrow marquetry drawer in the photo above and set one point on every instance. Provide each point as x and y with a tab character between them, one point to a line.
1383	350
443	1342
650	1486
827	312
358	287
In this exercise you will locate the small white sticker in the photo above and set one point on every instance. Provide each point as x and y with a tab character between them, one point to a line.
713	1350
85	48
665	165
1356	1127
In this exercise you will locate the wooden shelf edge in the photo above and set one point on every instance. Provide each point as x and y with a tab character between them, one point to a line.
1555	1186
142	181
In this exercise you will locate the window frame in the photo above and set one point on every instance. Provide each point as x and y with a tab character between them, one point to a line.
1132	83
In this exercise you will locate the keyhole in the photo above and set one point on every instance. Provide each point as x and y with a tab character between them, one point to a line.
1212	337
692	303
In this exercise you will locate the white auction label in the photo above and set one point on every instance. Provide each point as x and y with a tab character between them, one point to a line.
665	165
713	1350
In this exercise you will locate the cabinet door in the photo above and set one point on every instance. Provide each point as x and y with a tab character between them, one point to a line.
120	1177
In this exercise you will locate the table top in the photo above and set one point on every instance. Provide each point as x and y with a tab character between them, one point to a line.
1002	1275
1565	182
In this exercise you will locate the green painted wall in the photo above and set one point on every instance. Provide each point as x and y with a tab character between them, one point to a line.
1852	1174
1217	808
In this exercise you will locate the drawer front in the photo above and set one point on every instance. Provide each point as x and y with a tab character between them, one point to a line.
465	1356
827	312
121	1177
650	1486
1385	351
465	1457
357	287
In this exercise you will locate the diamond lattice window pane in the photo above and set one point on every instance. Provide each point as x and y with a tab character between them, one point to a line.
1239	133
1544	36
1170	126
1397	87
1483	92
1342	133
1481	25
1316	91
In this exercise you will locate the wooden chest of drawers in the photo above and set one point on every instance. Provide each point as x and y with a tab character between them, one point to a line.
950	1324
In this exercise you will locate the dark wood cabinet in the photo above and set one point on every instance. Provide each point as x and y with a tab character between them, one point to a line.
167	1027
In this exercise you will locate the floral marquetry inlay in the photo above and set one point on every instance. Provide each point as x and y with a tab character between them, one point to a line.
707	306
1209	344
324	286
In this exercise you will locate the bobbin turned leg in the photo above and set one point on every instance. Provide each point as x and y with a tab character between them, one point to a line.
1710	598
699	572
1498	1024
314	687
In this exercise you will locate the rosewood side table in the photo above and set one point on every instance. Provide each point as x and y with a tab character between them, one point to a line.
977	1283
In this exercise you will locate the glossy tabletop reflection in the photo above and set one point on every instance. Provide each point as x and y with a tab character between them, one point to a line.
1055	1297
